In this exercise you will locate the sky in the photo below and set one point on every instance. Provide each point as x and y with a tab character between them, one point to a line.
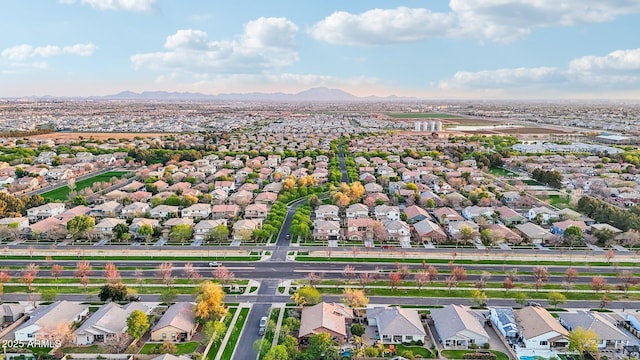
436	49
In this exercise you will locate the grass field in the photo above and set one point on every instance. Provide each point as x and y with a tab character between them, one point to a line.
182	348
556	200
501	172
422	116
458	354
235	334
417	350
63	192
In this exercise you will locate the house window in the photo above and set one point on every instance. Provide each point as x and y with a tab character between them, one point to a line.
164	336
173	336
543	343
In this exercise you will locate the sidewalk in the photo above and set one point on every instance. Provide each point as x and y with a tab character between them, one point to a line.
276	334
223	343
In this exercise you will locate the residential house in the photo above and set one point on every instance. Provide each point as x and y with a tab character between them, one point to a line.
135	209
415	213
428	231
6	180
458	328
326	229
137	223
178	324
360	229
21	223
559	227
170	223
396	325
570	214
473	212
634	320
256	211
505	322
331	319
242	197
610	336
534	233
446	215
454	228
203	228
46	322
355	211
164	211
500	233
11	312
225	211
108	322
386	213
328	212
267	198
106	225
44	211
538	330
106	209
542	214
242	228
398	230
197	211
371	188
509	217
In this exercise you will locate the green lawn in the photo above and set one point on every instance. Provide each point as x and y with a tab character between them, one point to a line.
183	348
213	351
91	349
501	172
235	335
457	354
63	192
422	116
417	350
556	200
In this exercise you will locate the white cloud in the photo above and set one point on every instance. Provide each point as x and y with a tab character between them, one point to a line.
502	78
616	71
267	43
616	61
494	20
25	51
381	26
125	5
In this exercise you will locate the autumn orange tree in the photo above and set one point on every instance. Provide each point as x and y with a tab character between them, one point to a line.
354	298
112	274
210	302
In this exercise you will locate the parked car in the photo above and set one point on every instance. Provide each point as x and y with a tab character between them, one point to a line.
263	325
532	303
214	264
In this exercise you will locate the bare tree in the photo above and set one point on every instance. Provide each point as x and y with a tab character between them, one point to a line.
191	273
349	272
508	284
83	271
29	274
223	274
364	278
395	279
165	271
139	274
422	276
627	279
314	279
540	276
598	283
56	271
433	273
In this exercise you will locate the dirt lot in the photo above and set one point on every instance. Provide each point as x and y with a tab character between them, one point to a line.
97	136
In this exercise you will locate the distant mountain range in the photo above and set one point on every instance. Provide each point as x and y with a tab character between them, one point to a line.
320	94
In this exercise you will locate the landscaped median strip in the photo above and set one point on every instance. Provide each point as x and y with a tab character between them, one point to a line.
233	334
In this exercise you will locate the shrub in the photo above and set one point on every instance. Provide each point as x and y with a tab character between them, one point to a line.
486	345
419	343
